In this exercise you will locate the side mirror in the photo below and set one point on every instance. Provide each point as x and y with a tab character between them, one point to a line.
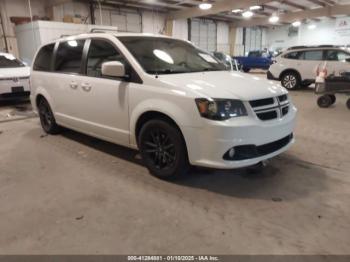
113	68
347	60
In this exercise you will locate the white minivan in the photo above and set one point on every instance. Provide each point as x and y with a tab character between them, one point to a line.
174	102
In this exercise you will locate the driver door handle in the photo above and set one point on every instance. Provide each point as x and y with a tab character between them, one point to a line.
86	87
73	85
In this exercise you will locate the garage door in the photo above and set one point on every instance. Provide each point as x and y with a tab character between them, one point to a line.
253	39
203	34
126	21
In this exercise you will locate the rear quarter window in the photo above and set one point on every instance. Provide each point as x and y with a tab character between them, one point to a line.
44	58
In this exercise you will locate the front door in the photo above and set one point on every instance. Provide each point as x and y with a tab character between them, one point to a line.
102	106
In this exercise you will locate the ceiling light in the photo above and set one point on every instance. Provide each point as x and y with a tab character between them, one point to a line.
274	19
255	7
311	27
247	14
205	6
237	11
296	23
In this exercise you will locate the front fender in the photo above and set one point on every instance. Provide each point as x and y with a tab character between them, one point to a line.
184	115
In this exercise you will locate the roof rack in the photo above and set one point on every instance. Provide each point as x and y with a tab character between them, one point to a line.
314	46
102	30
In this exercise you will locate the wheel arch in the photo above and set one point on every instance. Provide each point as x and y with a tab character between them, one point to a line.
41	93
153	114
179	116
290	70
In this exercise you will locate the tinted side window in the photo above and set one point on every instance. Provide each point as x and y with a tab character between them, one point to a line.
101	51
293	55
254	54
69	55
336	55
44	58
315	55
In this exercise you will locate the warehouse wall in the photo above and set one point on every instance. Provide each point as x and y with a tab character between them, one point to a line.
150	22
223	31
180	29
9	8
325	33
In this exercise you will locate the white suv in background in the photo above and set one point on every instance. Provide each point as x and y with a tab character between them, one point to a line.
297	67
14	77
175	103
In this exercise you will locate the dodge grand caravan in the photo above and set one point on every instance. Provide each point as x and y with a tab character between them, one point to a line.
174	102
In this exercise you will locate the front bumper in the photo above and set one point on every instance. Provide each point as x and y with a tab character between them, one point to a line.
207	145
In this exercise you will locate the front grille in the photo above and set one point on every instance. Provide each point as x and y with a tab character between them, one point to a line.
274	146
262	102
267	115
271	108
244	152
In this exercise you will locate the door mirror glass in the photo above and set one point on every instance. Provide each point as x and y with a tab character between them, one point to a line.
113	68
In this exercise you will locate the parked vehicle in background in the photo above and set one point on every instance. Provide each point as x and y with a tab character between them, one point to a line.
228	61
14	77
328	85
255	60
297	66
175	103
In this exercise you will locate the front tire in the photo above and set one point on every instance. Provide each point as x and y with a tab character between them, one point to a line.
47	119
290	80
246	69
163	149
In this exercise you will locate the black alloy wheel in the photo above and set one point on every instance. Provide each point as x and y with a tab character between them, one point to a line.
47	118
163	149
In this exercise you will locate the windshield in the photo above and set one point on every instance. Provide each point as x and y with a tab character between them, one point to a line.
9	61
159	55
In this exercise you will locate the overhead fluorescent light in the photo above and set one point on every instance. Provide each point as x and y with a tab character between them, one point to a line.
205	6
255	7
247	14
296	23
274	19
236	11
311	27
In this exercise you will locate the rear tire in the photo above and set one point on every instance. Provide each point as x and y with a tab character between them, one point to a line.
324	101
348	104
47	119
290	80
163	149
246	70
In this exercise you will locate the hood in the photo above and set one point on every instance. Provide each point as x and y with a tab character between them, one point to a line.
15	72
224	84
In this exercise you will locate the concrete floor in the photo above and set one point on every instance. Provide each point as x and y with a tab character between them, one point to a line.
78	195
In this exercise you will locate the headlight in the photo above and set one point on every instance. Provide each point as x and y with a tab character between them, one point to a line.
220	109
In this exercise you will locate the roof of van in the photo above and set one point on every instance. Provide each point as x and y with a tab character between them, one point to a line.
116	34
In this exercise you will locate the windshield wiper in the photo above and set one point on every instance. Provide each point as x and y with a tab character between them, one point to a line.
165	71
